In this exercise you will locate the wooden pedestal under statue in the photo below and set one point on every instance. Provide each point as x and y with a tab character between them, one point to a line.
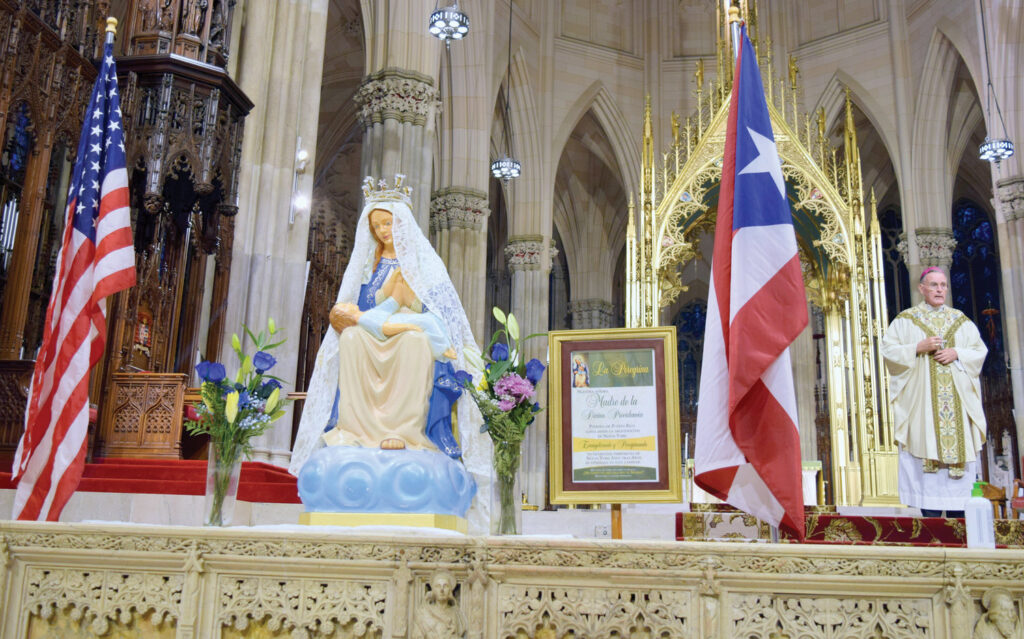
142	416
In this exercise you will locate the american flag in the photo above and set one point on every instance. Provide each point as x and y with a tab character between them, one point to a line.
96	260
747	441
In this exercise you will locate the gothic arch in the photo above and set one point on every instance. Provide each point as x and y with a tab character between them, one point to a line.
833	100
929	137
526	145
597	100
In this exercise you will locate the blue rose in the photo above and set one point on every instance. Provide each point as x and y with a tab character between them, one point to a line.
263	361
211	371
243	399
463	378
266	388
499	352
534	370
535	408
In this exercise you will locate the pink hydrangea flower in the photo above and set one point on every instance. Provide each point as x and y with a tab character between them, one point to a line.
513	387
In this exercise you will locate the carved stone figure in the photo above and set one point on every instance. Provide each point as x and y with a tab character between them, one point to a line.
439	616
1000	619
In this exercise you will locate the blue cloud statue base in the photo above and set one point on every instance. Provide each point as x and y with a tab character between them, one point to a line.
353	486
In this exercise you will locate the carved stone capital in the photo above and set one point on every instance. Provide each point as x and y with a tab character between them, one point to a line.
525	252
1010	198
458	208
396	95
935	246
903	247
591	313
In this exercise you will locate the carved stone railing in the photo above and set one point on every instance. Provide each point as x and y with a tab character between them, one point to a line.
142	416
134	581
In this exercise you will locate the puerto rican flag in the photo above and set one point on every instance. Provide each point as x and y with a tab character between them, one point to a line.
747	442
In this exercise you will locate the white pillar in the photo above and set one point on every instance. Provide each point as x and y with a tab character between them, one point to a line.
283	48
528	263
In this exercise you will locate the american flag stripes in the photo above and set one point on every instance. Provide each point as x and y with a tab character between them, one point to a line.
96	260
747	443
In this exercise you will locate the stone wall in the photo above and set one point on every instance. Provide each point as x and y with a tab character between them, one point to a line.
132	581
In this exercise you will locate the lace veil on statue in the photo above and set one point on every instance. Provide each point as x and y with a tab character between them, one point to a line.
428	277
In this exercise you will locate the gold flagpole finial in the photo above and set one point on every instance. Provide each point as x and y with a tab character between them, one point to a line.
734	13
112	25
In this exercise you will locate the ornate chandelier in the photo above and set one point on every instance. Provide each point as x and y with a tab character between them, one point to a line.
507	168
993	149
449	24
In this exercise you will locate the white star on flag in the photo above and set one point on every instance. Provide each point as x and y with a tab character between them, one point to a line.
767	160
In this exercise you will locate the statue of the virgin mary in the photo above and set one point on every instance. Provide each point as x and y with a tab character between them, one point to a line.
385	374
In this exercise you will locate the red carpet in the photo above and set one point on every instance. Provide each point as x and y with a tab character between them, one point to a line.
259	482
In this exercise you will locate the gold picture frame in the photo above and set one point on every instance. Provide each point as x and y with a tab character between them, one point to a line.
613	427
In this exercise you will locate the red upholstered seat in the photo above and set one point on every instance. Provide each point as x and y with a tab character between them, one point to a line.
1017	501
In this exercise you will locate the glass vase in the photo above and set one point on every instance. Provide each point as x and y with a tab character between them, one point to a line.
222	470
505	480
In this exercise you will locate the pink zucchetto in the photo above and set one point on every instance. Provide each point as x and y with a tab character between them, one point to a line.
930	269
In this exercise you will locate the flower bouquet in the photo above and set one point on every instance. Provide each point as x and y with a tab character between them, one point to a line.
232	413
506	398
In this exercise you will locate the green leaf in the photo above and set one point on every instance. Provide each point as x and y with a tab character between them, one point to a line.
499	315
497	370
513	327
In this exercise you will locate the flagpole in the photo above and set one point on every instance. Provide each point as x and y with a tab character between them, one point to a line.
111	29
734	26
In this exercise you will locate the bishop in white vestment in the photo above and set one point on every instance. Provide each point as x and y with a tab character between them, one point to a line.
934	355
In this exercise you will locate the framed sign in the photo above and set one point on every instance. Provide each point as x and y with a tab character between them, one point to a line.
614	416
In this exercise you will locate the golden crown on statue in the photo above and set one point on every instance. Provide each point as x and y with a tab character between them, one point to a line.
382	192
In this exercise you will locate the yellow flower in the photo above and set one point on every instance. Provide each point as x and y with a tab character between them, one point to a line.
483	384
236	343
231	407
244	370
271	326
272	401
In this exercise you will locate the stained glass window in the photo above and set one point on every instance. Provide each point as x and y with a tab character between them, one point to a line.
689	323
974	276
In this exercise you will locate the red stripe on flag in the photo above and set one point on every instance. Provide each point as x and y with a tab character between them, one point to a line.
721	265
759	426
717	482
760	333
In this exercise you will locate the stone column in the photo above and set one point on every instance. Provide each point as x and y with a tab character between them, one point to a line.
397	109
1009	206
592	313
458	230
282	44
529	265
399	96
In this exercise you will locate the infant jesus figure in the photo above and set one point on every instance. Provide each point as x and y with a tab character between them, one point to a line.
398	312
